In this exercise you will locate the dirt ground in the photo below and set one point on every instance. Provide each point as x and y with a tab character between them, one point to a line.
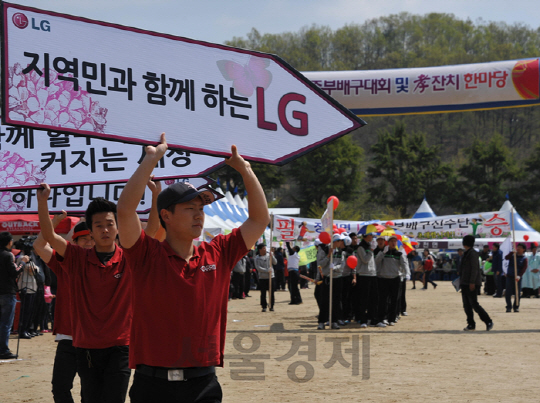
426	357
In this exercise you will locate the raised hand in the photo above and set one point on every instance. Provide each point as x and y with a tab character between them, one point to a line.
159	150
43	193
236	161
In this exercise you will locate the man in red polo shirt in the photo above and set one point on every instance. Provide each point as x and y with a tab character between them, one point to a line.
100	286
65	360
180	292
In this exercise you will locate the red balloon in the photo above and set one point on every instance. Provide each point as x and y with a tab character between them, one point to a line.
526	237
342	230
335	199
352	261
324	237
390	223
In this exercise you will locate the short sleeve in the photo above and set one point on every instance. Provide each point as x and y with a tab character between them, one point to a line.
138	254
231	248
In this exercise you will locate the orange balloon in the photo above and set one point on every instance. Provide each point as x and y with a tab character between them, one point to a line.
335	199
324	237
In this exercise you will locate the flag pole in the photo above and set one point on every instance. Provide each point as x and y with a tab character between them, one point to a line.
331	212
270	266
515	259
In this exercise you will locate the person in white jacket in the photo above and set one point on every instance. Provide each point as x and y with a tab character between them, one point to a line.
366	290
266	274
392	266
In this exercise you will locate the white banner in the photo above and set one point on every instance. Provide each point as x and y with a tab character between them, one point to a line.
29	157
75	199
66	73
433	89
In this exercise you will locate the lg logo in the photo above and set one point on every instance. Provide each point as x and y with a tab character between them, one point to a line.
21	21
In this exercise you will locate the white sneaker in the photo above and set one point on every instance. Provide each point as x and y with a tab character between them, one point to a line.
404	314
385	322
363	326
381	324
392	324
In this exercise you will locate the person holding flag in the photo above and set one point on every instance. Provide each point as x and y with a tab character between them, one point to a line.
514	276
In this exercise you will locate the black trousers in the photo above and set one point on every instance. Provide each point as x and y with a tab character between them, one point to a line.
347	297
366	299
263	286
147	389
247	282
427	275
511	290
490	285
388	297
64	371
294	277
104	374
238	284
280	278
471	305
27	310
402	301
324	307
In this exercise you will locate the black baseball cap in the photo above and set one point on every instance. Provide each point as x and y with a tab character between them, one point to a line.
182	192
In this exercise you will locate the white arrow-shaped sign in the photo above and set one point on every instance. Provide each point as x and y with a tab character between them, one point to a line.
66	73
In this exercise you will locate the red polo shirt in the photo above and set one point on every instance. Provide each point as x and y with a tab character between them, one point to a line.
179	307
100	296
62	308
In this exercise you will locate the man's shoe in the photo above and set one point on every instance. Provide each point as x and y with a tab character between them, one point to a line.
321	326
404	314
271	309
335	326
489	326
469	328
434	286
24	335
340	322
508	310
392	324
381	324
516	310
414	288
8	356
264	309
363	326
385	322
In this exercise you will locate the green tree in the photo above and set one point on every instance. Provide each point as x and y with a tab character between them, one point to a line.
488	174
331	170
404	169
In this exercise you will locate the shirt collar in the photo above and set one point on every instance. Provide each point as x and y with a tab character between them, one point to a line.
170	251
116	258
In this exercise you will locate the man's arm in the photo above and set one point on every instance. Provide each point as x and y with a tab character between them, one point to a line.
129	225
58	243
152	225
259	218
42	248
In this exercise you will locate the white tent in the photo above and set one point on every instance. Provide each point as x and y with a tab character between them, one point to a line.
424	211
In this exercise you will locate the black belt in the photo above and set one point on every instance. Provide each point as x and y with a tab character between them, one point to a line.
174	374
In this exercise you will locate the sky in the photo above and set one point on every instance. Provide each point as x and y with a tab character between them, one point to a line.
220	20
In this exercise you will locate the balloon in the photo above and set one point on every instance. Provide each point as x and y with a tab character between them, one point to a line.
526	237
324	237
390	223
341	230
335	199
352	261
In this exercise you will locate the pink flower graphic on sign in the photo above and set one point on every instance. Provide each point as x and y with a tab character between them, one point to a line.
16	171
246	77
6	204
56	105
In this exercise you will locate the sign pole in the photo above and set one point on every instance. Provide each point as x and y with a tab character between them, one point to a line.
270	256
515	259
331	251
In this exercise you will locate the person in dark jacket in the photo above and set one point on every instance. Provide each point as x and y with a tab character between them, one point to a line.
470	280
511	278
8	289
497	268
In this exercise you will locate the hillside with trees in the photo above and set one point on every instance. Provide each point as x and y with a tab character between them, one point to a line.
462	162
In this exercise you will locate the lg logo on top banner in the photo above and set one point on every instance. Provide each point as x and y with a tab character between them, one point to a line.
21	21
